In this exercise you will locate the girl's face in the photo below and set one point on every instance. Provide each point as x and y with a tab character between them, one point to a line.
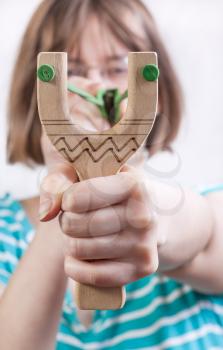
101	61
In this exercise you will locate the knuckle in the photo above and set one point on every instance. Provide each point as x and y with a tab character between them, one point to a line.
137	186
128	180
143	220
100	278
114	241
145	255
68	201
95	219
148	262
129	244
76	249
144	270
96	279
65	223
73	224
126	278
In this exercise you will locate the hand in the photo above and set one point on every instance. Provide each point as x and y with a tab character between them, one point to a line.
109	230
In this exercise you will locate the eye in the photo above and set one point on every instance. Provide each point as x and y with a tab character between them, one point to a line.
76	71
117	70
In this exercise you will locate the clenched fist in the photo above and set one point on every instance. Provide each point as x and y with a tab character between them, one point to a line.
109	230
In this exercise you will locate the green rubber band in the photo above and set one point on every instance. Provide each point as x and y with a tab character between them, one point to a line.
82	93
46	72
150	72
99	99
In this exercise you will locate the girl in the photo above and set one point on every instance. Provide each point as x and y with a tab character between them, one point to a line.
178	306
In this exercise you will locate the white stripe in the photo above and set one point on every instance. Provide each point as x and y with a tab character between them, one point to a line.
218	309
7	257
76	328
30	236
10	227
20	215
6	202
6	212
147	289
68	339
4	273
13	241
134	315
67	309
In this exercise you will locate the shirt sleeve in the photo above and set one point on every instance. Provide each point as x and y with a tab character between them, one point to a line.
11	245
211	189
9	256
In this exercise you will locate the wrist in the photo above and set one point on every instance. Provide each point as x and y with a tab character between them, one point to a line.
188	234
52	240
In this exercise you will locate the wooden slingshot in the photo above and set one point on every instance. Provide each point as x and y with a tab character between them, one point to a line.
96	154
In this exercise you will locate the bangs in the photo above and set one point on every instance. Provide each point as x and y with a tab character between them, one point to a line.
110	19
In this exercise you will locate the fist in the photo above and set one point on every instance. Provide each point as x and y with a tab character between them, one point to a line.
108	230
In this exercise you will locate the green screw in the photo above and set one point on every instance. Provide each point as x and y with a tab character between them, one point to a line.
150	72
46	72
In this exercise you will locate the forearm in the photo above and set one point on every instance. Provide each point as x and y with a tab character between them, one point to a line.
204	271
186	223
31	305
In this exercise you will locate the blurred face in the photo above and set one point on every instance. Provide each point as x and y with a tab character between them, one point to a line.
102	59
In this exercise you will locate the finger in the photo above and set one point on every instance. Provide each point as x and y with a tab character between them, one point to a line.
60	178
118	245
95	223
139	210
100	273
98	192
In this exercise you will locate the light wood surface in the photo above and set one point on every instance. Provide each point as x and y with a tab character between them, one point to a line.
97	154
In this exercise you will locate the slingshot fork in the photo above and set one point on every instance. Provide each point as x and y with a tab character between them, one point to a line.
96	154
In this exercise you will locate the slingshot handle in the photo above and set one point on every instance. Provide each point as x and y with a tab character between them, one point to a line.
98	298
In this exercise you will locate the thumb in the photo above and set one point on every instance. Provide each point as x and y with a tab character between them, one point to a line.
60	178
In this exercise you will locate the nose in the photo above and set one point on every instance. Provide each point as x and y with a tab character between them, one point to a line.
95	75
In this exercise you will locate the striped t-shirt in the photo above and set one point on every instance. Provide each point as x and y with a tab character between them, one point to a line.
159	313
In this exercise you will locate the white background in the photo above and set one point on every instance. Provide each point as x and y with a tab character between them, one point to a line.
193	33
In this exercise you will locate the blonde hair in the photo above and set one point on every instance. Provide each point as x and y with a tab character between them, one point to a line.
49	30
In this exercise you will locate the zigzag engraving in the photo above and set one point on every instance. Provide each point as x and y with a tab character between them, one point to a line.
95	149
66	149
95	160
